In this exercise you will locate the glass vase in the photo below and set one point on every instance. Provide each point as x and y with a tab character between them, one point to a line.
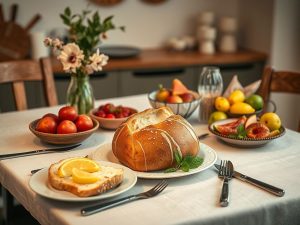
80	93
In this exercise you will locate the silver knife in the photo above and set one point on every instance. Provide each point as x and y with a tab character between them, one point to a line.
267	187
38	152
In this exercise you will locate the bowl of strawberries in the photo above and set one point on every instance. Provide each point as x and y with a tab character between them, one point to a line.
67	127
179	98
111	116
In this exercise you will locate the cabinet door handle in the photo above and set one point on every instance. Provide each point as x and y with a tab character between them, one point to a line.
244	66
151	73
63	76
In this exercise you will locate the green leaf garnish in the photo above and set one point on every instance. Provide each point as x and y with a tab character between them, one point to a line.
186	163
241	132
177	156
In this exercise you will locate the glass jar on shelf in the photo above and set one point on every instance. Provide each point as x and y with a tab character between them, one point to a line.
210	86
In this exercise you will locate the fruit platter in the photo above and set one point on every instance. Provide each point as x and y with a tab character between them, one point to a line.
248	132
179	98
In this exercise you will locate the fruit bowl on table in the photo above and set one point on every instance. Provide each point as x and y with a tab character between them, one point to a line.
185	109
245	141
110	123
63	139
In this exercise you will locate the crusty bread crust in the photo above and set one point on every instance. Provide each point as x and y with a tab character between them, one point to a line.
147	140
84	190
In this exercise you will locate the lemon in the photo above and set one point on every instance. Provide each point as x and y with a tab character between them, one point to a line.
84	164
83	177
241	108
271	120
215	116
222	104
236	96
256	101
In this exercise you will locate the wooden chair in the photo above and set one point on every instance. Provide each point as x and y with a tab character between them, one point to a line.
17	72
279	81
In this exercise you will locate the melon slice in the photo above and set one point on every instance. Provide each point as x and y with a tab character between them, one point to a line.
250	120
178	88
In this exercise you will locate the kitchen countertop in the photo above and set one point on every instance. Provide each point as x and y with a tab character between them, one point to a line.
161	58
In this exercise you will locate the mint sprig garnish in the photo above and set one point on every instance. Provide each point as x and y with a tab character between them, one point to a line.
241	132
185	163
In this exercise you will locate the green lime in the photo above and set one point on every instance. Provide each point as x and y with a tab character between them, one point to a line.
256	101
215	116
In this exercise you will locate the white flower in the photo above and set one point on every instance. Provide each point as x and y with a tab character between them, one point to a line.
48	41
71	57
98	61
88	69
57	44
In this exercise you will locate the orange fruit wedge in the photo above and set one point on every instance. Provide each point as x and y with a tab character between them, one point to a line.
84	164
178	88
83	177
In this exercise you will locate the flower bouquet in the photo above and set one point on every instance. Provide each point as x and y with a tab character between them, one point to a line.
78	57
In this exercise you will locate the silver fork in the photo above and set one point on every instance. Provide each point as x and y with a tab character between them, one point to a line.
144	195
225	172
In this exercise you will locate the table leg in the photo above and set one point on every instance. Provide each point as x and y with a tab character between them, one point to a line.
8	204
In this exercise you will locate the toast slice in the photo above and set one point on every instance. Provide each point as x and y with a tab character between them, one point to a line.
109	176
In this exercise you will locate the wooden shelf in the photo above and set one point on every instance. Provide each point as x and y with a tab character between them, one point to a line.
161	58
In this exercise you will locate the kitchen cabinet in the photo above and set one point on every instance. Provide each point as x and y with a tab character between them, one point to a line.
146	80
104	84
142	74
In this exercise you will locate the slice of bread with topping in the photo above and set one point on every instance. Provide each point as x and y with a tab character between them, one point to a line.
109	177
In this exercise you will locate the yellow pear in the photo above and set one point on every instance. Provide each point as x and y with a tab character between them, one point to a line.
241	108
236	96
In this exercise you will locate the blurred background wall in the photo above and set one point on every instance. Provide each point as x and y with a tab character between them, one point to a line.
270	26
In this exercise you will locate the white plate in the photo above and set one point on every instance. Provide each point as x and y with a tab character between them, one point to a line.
39	184
104	153
244	142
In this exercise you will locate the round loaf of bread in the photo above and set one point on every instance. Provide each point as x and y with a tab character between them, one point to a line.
147	140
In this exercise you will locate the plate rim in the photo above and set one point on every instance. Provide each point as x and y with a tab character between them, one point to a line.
177	174
44	172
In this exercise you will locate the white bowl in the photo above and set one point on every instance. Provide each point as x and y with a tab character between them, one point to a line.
110	124
184	109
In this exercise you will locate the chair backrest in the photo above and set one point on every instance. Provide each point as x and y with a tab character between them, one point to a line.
279	81
17	72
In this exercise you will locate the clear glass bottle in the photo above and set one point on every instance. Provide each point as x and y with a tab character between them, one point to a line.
210	86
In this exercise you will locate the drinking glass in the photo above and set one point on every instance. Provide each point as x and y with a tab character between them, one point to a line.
210	86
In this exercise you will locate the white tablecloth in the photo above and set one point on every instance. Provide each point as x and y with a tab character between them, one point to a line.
188	200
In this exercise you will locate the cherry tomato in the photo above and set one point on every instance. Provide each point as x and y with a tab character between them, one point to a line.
67	113
47	125
66	127
109	108
84	123
119	115
126	111
110	116
55	117
100	113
